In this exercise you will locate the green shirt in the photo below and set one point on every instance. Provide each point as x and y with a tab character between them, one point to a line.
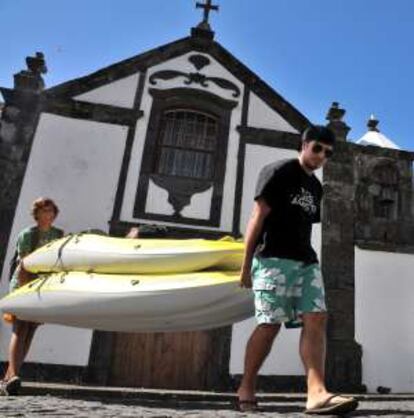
27	242
26	237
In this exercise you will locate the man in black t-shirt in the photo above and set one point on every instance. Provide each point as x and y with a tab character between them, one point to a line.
282	268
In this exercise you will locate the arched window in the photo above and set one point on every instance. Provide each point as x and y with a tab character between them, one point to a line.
187	144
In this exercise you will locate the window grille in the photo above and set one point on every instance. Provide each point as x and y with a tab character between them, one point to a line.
187	144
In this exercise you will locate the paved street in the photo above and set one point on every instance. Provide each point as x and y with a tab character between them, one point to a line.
41	400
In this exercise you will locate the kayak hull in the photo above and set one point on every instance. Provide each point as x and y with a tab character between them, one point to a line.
101	254
133	303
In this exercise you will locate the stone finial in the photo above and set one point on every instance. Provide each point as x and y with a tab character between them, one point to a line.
31	79
372	124
37	64
203	29
336	124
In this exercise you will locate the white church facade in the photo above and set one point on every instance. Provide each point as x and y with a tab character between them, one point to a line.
175	137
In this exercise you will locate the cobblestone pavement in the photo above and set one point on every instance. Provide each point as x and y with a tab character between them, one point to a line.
59	401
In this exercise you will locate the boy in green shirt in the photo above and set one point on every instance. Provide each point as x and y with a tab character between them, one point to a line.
44	212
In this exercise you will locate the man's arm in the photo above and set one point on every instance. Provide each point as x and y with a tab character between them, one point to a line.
254	227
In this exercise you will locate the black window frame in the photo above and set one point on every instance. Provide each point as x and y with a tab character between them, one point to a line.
196	101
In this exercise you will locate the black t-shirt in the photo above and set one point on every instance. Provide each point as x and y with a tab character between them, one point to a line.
295	199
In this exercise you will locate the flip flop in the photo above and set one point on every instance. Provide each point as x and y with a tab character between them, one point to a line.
248	405
10	387
327	407
13	385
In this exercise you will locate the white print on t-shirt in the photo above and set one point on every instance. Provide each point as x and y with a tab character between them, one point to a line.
305	200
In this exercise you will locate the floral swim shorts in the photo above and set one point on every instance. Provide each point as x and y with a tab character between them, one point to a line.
286	289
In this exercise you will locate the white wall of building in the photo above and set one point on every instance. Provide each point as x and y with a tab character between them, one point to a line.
119	93
200	205
157	201
384	317
76	163
284	358
261	115
256	157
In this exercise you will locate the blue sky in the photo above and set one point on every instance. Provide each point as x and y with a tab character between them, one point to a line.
312	52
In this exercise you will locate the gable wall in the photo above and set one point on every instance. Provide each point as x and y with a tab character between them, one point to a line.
119	93
261	115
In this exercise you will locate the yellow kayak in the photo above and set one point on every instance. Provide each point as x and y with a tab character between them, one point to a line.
133	303
103	254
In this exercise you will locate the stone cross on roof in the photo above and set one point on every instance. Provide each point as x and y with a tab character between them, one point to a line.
208	7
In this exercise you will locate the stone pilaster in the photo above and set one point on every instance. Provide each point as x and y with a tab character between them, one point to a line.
18	122
343	365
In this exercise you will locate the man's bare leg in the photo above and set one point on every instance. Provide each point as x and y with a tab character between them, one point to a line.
257	349
313	354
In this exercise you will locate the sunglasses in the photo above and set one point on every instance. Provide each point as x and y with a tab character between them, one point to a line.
318	148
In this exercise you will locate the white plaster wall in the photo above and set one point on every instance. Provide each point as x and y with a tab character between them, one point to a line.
200	205
119	93
182	64
256	157
284	358
384	318
261	115
77	163
157	201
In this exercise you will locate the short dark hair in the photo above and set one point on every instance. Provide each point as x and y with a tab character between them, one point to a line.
319	133
43	202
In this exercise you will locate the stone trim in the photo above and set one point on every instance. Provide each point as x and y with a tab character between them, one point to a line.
119	196
269	137
120	228
379	152
51	373
384	247
91	111
175	219
241	155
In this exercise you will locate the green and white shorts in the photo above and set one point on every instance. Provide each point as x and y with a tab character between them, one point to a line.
286	289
